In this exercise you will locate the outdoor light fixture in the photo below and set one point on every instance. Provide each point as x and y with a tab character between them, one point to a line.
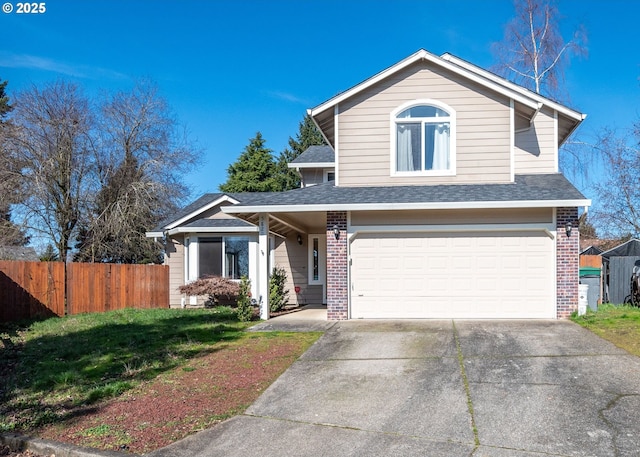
299	239
568	228
336	231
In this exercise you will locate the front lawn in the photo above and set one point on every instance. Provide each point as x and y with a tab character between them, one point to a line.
135	379
618	324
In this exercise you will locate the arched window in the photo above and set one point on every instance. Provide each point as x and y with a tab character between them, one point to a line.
424	138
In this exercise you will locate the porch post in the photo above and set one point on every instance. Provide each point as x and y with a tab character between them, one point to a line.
568	261
263	265
337	266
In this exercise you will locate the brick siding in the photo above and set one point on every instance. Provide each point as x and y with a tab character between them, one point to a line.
568	262
337	282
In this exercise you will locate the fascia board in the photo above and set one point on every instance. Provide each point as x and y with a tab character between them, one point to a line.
213	230
153	234
525	99
514	87
312	165
407	206
326	138
224	198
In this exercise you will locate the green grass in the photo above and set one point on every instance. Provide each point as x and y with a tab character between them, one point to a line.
618	324
50	369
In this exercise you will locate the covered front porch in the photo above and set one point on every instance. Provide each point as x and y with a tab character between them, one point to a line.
304	244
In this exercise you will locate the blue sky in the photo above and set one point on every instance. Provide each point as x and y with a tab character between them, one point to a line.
230	68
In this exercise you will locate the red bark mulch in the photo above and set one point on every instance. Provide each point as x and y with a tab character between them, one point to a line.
208	390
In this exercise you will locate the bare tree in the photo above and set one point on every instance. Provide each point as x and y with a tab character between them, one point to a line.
141	155
619	194
533	52
49	147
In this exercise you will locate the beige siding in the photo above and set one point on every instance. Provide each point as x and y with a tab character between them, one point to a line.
213	213
535	149
293	258
482	131
175	260
450	217
311	176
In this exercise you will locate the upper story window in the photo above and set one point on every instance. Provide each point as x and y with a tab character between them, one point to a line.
423	139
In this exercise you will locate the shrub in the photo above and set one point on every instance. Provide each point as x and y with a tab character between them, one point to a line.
216	287
245	308
277	293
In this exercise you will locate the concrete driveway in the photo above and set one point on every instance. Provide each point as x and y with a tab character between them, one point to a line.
441	388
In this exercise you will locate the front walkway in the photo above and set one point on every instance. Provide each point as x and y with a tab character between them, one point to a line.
440	388
311	318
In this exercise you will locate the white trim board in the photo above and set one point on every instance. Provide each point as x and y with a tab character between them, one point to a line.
400	206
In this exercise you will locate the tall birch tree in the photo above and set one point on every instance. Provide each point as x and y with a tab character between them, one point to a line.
533	52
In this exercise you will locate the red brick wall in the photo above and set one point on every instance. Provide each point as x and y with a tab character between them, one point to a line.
568	262
337	283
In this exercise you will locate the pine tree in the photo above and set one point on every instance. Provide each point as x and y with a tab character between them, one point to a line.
10	233
308	135
254	171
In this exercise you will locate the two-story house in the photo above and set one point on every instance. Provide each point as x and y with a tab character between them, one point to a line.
439	196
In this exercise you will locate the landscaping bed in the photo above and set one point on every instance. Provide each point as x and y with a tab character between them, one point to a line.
136	380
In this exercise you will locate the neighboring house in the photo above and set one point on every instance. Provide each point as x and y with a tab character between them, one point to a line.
439	196
18	253
617	264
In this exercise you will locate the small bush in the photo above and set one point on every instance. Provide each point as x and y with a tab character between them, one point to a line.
278	295
216	287
245	308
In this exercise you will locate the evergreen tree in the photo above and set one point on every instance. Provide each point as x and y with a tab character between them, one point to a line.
308	135
49	254
254	171
10	233
5	107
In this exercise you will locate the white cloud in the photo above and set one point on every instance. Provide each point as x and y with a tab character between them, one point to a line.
31	62
288	97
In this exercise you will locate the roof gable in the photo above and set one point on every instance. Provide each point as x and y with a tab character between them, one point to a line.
529	103
193	210
629	248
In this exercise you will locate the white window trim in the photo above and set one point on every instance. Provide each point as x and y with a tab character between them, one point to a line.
192	255
325	174
452	139
322	263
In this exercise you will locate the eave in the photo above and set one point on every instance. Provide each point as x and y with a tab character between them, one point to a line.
513	204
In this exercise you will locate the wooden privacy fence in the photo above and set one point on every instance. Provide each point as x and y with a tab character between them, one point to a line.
31	289
37	289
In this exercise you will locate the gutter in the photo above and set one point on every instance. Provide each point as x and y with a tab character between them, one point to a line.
303	208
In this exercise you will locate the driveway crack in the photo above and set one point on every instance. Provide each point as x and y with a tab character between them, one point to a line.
467	390
614	428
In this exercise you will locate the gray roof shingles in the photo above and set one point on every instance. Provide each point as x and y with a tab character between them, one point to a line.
539	187
218	223
204	200
315	154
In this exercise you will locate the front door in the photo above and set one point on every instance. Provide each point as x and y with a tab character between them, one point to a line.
318	262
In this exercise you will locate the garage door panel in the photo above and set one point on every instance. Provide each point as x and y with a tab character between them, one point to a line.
461	275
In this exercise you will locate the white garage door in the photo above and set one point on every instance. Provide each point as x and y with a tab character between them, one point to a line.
466	275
